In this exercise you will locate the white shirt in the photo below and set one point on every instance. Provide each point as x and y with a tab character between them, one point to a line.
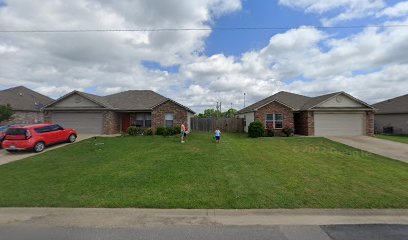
217	133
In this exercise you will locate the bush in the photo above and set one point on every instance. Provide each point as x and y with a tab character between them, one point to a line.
149	132
160	131
289	130
168	131
270	133
256	129
176	130
133	131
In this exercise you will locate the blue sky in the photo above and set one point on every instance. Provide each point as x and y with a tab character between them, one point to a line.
200	68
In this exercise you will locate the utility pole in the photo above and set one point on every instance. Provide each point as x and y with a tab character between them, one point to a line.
244	99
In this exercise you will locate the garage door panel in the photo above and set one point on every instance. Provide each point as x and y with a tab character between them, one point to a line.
339	124
88	123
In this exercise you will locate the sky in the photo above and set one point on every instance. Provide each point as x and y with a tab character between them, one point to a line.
308	49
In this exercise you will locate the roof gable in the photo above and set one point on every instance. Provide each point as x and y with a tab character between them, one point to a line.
340	100
23	99
77	99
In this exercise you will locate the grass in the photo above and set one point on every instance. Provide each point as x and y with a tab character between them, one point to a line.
158	172
395	138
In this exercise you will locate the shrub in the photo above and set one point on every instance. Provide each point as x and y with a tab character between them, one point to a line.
168	131
133	131
256	129
289	130
149	132
176	130
160	130
270	133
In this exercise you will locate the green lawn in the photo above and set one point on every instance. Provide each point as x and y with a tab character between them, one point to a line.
395	138
158	172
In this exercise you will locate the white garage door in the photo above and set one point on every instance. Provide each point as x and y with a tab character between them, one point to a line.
339	124
88	123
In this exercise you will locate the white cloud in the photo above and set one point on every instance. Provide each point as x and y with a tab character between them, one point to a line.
112	60
348	9
370	64
398	10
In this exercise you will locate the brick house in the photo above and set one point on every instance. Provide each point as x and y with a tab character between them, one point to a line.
92	114
335	114
26	105
392	116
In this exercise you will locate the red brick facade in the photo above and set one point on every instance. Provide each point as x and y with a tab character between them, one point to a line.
370	123
26	117
158	114
111	122
304	123
272	108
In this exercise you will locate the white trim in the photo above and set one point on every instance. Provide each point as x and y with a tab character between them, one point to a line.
347	95
256	109
274	120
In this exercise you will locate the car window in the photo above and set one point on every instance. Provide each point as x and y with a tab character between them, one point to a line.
42	129
16	131
55	128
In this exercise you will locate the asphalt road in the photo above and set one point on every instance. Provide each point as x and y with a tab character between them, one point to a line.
331	232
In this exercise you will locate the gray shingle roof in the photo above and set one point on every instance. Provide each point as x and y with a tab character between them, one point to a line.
132	100
23	99
295	101
292	100
394	105
135	100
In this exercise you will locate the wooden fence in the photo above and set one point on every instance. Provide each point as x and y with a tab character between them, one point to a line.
210	124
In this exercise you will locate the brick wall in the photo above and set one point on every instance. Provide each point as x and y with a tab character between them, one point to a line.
111	122
158	113
275	107
304	123
370	123
23	117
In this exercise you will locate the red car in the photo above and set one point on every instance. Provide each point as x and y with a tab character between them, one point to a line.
36	137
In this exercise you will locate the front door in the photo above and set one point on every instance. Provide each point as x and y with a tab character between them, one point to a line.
125	121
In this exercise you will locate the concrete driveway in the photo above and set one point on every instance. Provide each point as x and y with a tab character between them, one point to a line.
390	149
6	157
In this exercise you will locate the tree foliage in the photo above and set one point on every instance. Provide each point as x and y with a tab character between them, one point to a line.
213	113
6	112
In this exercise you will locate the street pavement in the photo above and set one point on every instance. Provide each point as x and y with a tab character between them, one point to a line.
201	232
179	224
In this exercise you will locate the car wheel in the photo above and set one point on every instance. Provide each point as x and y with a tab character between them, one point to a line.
39	147
72	138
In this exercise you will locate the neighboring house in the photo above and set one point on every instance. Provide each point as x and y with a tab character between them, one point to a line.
26	104
88	113
335	114
392	115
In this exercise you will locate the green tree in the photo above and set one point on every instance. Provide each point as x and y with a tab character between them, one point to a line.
230	113
5	112
209	113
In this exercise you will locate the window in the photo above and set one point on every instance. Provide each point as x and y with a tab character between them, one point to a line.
274	120
142	120
168	117
278	120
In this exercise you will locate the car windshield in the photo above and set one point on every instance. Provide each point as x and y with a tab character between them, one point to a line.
3	129
16	131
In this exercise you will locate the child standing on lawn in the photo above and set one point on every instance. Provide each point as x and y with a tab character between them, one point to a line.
217	135
183	132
